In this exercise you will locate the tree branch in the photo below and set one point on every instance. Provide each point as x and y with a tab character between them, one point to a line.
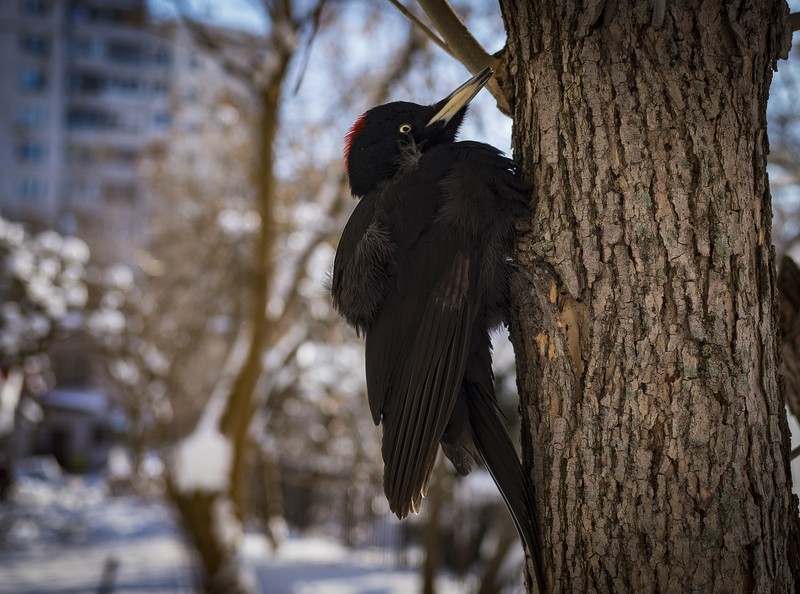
202	36
429	33
315	16
465	48
794	21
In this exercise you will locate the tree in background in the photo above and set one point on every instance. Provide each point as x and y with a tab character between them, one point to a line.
234	275
235	241
784	155
43	293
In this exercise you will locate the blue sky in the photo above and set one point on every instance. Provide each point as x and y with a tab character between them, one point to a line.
239	14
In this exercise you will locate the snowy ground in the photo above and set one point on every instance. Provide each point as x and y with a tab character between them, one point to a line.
58	535
311	566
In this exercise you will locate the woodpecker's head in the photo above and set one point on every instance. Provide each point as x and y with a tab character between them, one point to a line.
375	144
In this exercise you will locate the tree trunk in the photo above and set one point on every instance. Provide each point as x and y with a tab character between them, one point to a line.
221	571
644	315
432	541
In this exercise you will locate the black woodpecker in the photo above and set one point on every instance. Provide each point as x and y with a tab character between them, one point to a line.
422	272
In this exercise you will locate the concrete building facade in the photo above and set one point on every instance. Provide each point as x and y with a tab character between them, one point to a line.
85	86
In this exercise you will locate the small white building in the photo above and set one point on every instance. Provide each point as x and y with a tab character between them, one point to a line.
78	427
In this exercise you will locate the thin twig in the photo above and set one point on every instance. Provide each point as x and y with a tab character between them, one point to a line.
203	37
429	33
316	17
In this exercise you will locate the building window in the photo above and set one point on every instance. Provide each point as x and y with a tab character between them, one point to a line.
30	116
133	17
123	85
130	121
86	83
162	120
85	47
121	192
34	7
31	189
162	56
30	152
33	80
99	435
79	47
159	87
79	192
122	52
87	118
34	43
78	154
124	156
78	14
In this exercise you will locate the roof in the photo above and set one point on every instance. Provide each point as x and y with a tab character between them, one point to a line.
77	399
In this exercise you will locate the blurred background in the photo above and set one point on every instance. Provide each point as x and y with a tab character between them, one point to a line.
180	408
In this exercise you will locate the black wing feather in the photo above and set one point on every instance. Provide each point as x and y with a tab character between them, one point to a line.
414	370
361	269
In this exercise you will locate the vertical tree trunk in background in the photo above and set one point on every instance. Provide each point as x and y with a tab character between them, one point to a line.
221	572
432	542
240	407
644	315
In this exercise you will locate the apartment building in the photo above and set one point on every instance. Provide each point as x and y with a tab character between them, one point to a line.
89	89
85	85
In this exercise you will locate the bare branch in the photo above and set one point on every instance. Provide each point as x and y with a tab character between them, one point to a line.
429	33
315	16
331	198
203	37
794	21
464	46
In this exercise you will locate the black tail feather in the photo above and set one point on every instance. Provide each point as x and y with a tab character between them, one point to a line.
500	457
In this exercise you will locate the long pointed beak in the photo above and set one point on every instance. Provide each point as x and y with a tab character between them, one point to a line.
459	98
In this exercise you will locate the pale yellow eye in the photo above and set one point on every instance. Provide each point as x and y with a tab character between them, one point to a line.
404	128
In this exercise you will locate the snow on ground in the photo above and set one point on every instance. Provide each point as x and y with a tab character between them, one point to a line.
58	534
312	565
153	564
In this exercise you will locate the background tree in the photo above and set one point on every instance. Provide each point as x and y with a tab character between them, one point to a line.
43	293
207	470
240	245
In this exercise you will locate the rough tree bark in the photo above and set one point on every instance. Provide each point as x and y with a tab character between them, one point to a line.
644	315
